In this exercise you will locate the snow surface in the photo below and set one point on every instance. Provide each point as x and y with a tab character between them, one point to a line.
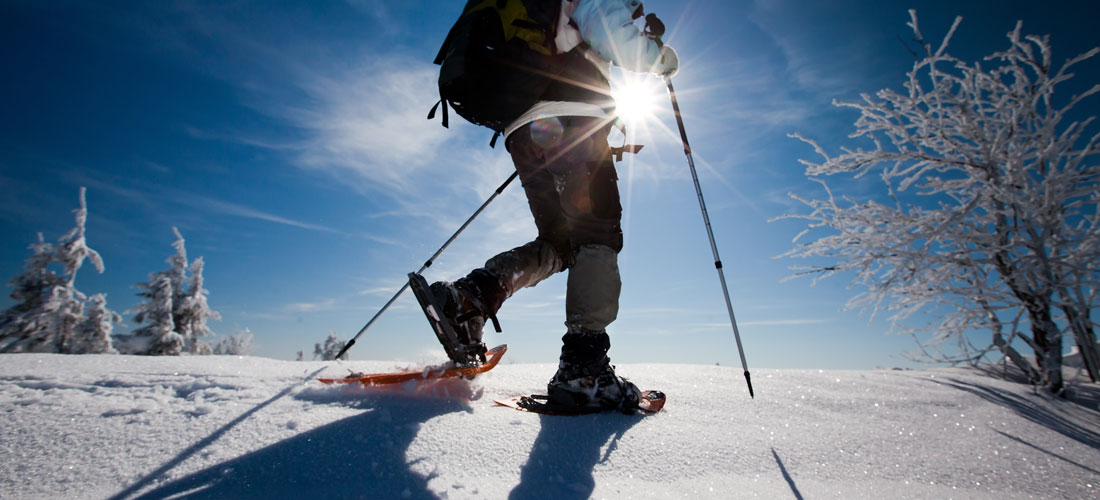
111	426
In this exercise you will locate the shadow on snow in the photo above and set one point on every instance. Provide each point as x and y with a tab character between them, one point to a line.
364	456
565	453
205	442
1058	415
358	457
787	476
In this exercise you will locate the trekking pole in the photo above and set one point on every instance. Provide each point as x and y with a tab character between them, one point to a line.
429	262
710	232
654	29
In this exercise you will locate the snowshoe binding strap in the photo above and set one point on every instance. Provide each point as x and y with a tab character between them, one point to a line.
479	310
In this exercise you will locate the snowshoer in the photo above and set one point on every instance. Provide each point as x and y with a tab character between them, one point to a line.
560	150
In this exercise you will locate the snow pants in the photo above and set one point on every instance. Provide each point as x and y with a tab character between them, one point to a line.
565	166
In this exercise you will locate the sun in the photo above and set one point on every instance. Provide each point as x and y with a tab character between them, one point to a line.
637	97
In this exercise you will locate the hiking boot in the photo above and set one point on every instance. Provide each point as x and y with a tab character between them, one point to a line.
459	309
605	391
466	308
586	379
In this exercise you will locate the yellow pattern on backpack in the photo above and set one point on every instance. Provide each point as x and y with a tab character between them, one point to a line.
516	23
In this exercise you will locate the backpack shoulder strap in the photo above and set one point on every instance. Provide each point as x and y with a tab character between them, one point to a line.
440	102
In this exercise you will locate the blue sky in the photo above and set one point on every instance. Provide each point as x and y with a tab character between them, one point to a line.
288	143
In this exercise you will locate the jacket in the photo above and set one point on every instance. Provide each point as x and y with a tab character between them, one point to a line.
596	33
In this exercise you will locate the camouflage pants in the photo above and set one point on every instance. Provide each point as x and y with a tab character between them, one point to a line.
567	173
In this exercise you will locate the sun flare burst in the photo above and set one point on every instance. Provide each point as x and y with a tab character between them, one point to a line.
637	97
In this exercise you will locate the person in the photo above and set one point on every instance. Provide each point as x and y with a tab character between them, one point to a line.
560	150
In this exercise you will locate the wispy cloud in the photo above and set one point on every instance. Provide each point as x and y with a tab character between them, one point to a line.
362	123
785	322
353	106
367	120
381	290
826	69
152	196
307	307
238	210
242	137
360	119
252	213
357	114
266	316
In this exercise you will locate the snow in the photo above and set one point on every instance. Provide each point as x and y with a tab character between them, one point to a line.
113	426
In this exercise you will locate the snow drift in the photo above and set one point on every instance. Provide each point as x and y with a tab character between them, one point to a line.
108	426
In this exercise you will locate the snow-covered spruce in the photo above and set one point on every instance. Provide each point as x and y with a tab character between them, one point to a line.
93	333
329	349
49	315
175	310
240	344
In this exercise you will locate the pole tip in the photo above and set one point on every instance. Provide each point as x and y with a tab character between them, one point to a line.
748	380
348	346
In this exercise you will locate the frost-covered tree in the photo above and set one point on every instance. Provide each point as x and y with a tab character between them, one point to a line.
71	251
93	334
988	219
158	336
67	307
73	248
186	301
329	349
50	307
240	344
193	311
28	325
176	274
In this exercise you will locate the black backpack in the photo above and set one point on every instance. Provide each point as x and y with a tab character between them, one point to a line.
498	60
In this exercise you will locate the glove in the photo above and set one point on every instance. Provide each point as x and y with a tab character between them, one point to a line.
668	63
